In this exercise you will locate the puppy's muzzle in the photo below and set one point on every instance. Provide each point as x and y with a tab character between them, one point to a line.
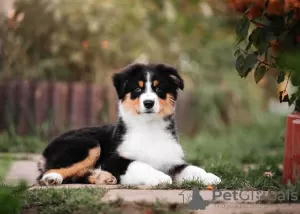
148	104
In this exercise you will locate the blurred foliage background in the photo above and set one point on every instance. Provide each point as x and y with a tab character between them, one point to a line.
230	125
72	41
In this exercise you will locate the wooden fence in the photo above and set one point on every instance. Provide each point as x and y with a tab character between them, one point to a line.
53	107
29	105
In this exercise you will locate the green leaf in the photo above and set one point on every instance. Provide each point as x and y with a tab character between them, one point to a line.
295	79
262	21
263	48
259	73
239	65
254	35
250	61
280	77
242	28
288	60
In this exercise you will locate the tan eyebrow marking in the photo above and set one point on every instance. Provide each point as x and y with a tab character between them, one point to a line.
155	83
141	84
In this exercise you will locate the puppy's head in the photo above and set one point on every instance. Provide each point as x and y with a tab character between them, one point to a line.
148	89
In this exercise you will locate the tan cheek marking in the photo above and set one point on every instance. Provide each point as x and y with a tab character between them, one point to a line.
167	106
155	83
131	105
141	84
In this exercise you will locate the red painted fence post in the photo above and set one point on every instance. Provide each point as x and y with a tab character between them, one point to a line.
296	150
288	149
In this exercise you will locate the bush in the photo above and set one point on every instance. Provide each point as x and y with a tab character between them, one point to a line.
27	144
71	41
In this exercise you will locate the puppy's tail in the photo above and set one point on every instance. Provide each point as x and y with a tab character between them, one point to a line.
41	165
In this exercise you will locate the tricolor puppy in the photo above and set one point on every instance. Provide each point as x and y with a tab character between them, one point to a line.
140	149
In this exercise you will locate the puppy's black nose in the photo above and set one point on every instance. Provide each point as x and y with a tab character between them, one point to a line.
148	104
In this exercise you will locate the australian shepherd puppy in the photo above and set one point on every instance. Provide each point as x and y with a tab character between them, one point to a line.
142	148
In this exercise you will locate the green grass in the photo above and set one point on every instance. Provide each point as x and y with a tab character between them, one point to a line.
25	144
254	144
230	152
87	200
63	200
5	163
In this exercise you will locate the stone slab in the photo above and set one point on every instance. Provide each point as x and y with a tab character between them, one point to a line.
218	206
250	209
22	170
184	196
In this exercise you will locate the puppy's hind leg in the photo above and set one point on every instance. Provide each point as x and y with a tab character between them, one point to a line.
79	169
100	177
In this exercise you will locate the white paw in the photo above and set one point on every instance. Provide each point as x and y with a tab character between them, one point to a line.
139	173
51	179
211	179
156	178
194	173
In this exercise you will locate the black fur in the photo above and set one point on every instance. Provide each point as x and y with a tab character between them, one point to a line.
73	146
177	169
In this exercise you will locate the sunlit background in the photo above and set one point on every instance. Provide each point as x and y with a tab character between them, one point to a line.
57	58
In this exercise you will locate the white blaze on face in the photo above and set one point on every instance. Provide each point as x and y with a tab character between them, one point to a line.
149	94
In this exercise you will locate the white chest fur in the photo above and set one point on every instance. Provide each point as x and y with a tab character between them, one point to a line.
149	141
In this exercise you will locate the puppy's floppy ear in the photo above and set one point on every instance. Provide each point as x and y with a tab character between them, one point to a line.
173	74
120	79
119	84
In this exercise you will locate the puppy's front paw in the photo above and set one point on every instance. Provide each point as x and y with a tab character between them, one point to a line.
194	173
100	177
211	179
156	178
51	179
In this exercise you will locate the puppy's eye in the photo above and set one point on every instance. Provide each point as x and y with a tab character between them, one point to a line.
158	89
138	90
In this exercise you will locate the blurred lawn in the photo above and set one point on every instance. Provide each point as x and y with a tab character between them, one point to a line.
241	154
12	143
4	167
261	142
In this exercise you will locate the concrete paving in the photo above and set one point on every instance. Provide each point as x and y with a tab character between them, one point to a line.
22	170
249	209
222	202
246	202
